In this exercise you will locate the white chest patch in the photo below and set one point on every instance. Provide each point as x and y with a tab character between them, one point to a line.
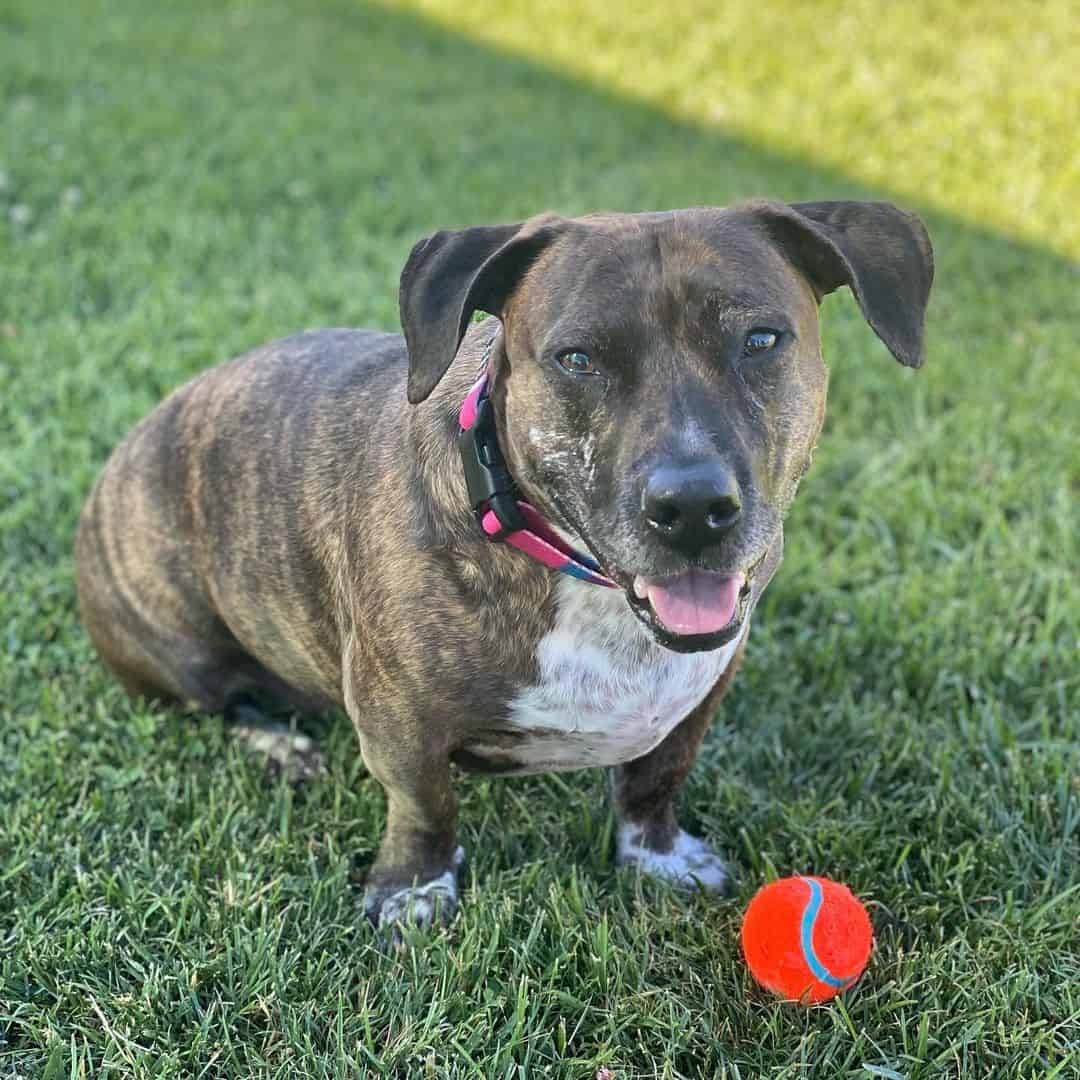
606	692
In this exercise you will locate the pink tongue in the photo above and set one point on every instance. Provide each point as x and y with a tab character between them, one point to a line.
693	603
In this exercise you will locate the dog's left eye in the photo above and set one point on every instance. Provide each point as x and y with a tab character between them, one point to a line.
759	340
576	362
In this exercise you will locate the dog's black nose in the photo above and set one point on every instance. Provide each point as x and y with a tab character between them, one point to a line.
691	506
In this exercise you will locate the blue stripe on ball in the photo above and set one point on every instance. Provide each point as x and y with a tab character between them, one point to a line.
810	914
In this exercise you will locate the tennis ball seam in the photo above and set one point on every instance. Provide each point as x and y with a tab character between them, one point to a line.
806	939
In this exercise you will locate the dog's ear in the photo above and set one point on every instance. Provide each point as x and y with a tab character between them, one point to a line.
880	252
450	275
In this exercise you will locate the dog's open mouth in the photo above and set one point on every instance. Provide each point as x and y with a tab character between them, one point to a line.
695	602
694	610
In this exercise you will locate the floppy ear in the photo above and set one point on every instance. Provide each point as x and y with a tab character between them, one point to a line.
450	275
880	252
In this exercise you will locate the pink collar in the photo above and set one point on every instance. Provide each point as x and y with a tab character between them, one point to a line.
493	494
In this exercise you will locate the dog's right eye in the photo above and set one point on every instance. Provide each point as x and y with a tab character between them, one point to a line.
576	362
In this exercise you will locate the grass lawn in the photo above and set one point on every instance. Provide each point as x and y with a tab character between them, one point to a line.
180	181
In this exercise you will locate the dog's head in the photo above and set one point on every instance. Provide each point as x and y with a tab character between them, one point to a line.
659	384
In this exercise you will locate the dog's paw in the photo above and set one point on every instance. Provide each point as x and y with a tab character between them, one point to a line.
287	752
689	864
418	905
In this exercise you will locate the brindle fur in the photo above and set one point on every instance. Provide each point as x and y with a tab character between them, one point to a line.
288	523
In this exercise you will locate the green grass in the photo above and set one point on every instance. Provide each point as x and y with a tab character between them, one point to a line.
182	181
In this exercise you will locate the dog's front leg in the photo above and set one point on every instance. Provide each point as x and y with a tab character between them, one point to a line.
414	878
644	792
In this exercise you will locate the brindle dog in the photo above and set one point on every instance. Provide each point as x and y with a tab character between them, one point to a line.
296	522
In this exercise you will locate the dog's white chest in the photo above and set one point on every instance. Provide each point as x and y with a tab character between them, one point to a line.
606	692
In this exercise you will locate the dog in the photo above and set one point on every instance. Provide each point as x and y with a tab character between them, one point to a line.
522	543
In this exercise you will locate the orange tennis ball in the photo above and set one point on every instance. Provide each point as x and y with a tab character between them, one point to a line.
806	938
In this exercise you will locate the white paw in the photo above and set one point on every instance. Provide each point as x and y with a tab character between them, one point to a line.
418	905
287	751
690	863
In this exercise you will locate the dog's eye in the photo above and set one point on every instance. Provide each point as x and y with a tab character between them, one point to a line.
759	340
576	362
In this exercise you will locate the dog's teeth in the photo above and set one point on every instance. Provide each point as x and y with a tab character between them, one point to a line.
641	589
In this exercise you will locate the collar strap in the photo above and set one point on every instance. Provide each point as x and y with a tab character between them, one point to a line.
493	495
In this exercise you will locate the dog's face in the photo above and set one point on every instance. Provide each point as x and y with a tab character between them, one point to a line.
662	391
659	381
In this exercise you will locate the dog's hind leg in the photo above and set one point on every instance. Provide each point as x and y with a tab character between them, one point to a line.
224	679
287	751
229	681
213	674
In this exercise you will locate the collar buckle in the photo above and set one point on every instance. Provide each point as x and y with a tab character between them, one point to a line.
487	479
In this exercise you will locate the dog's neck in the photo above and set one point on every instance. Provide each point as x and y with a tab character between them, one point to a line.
511	518
430	433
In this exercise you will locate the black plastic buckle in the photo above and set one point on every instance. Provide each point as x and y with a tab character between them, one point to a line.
489	483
